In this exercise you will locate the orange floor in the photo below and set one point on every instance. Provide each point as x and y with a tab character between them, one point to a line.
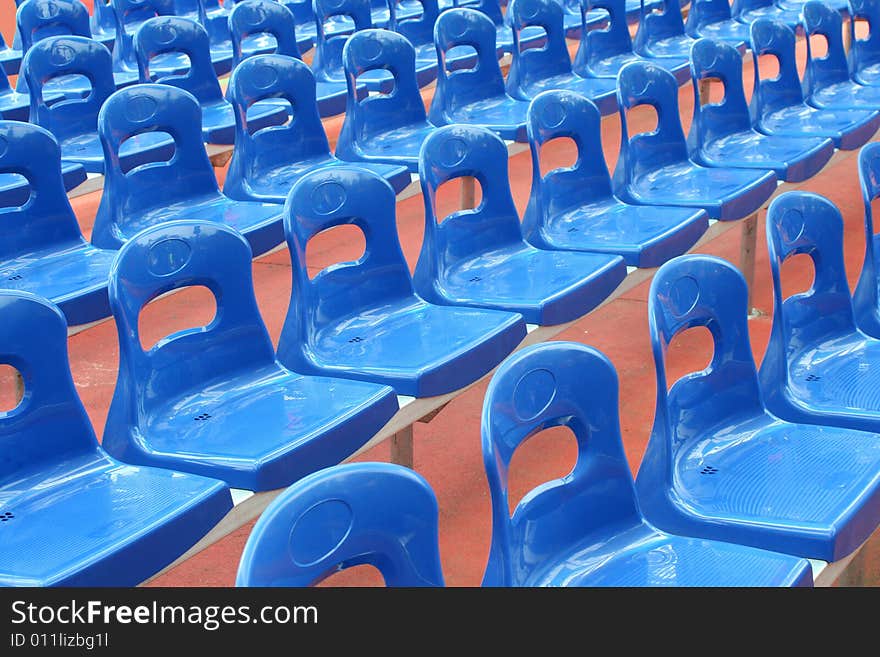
447	451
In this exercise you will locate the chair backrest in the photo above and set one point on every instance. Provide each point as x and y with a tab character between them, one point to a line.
38	19
864	52
866	298
262	17
821	20
687	292
168	257
172	34
704	12
49	425
187	175
722	61
540	387
418	29
537	63
561	114
327	63
103	18
68	55
129	15
322	199
301	9
600	43
380	514
774	38
452	152
739	7
46	218
302	138
660	19
370	50
466	27
646	83
492	9
803	222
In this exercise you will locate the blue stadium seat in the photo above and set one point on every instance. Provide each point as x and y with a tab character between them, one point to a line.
654	168
43	249
103	23
778	103
179	188
419	31
173	35
269	20
718	464
661	32
14	106
214	17
380	514
73	516
389	128
474	96
712	19
748	11
827	82
866	297
602	53
214	400
478	257
267	162
259	41
362	319
723	133
586	529
864	54
549	67
74	123
15	190
129	16
529	37
574	208
819	368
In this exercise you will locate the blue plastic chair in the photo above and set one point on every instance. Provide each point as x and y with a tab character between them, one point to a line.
387	128
380	514
654	168
712	19
161	191
529	37
74	122
587	529
129	16
866	297
43	249
574	208
827	82
419	30
475	96
103	23
864	54
72	515
170	34
478	257
14	106
748	11
819	368
267	162
253	39
549	67
362	319
214	17
718	464
661	32
723	133
602	53
778	104
254	20
214	400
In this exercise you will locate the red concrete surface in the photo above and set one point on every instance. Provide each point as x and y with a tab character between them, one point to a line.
447	451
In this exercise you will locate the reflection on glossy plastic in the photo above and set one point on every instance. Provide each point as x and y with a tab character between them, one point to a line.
72	516
864	54
213	400
586	529
712	19
748	11
866	297
661	31
718	464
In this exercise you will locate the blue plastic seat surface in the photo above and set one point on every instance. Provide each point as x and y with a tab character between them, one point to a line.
476	96
749	11
387	128
130	201
43	249
357	513
712	19
479	257
214	400
718	464
866	297
362	319
586	529
654	168
723	134
265	164
74	516
778	104
574	208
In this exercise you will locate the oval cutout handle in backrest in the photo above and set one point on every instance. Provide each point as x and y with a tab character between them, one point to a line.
376	513
258	17
820	19
615	39
37	19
